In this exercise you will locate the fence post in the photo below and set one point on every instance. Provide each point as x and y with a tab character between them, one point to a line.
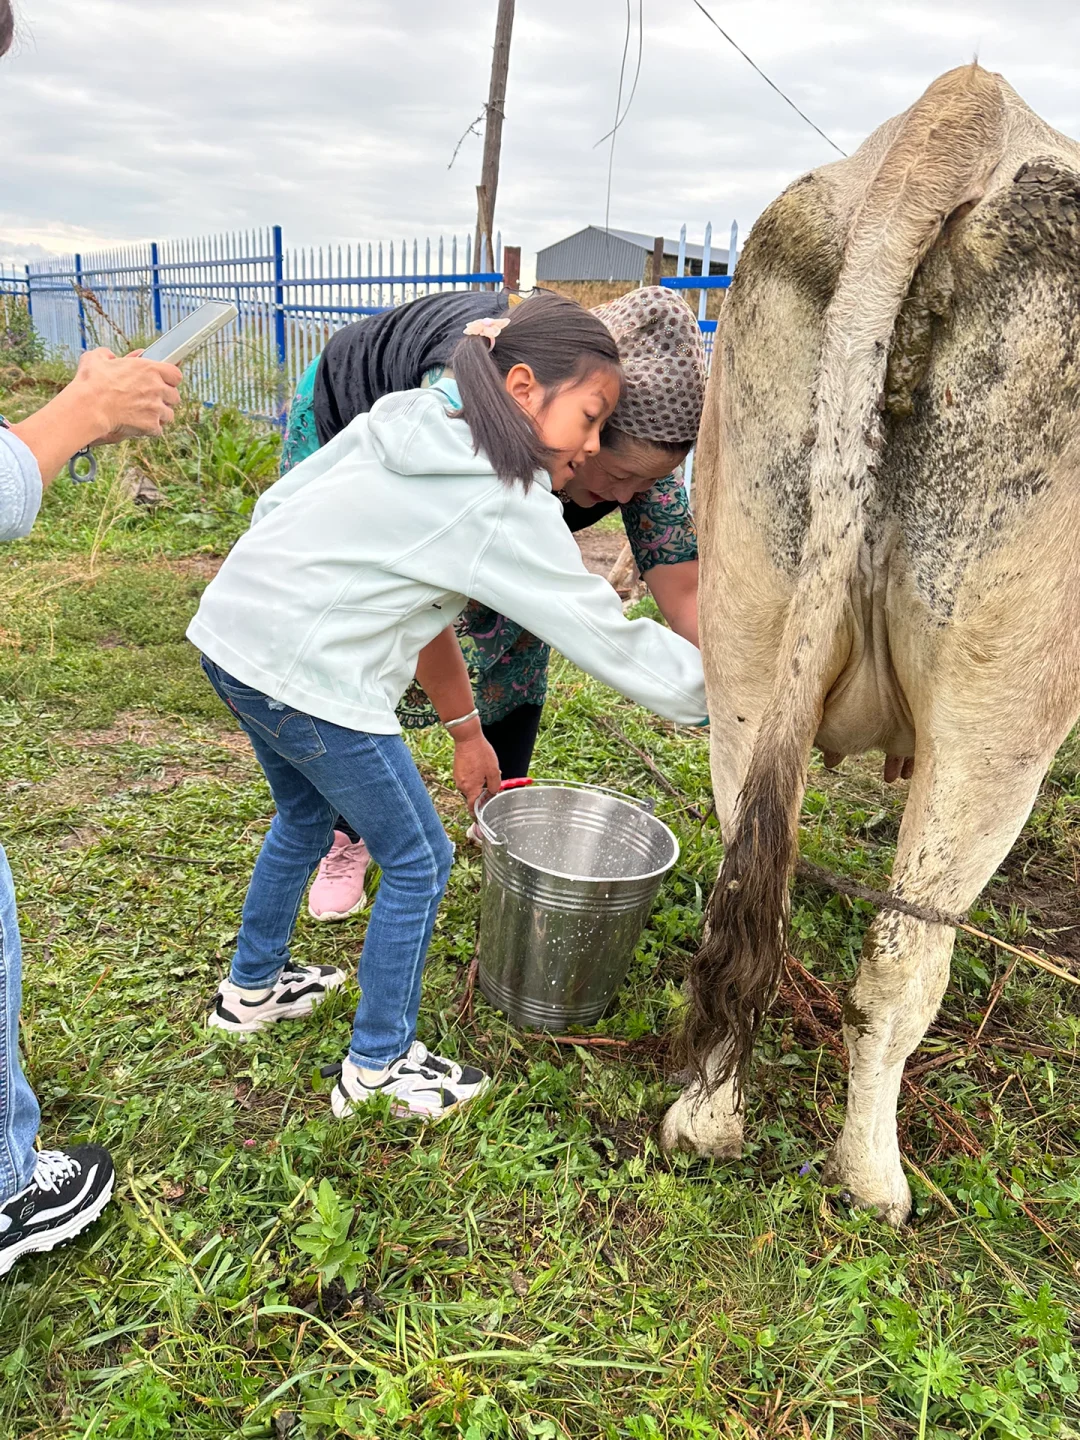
511	265
733	247
656	265
706	264
29	295
78	293
155	286
279	319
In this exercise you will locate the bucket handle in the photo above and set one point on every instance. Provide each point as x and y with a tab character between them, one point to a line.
485	796
649	806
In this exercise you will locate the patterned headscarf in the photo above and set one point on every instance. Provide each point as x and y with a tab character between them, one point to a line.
663	359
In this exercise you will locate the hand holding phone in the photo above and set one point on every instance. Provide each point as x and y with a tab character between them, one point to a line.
138	392
132	395
146	390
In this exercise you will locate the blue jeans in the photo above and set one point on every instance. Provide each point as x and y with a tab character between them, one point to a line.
318	771
19	1113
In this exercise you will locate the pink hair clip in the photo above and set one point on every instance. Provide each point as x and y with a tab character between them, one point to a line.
490	328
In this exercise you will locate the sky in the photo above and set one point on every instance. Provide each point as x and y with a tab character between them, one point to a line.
337	119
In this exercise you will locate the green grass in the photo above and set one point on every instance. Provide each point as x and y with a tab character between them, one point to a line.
534	1268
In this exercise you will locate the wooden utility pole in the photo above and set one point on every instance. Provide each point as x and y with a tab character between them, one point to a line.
656	269
489	175
511	267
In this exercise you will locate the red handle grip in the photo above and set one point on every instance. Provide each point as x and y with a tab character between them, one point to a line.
515	784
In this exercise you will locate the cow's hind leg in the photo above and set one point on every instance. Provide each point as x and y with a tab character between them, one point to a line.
970	797
711	1125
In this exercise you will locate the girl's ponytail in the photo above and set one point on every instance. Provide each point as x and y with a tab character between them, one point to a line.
560	342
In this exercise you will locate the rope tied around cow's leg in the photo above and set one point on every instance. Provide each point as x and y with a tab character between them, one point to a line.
883	899
927	913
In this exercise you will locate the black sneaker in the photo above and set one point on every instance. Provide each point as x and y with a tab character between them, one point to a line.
69	1190
421	1085
295	993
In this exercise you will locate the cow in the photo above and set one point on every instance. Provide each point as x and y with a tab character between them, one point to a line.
888	493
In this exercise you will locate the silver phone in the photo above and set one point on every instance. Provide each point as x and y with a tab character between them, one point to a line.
172	347
194	330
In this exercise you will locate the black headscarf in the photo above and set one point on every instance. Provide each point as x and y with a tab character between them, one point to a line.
386	353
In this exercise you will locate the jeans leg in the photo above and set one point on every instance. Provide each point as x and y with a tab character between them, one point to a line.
376	786
19	1113
414	856
317	771
300	834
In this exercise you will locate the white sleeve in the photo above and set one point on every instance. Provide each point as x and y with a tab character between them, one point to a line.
532	571
20	487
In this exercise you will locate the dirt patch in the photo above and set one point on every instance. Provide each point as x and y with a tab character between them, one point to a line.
171	776
203	567
1048	896
150	731
82	838
602	552
130	727
600	549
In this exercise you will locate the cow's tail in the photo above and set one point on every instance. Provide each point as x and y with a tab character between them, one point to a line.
940	158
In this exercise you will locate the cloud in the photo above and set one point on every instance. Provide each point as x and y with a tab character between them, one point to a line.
15	251
337	118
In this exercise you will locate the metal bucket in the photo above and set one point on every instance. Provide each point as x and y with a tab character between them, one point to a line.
570	875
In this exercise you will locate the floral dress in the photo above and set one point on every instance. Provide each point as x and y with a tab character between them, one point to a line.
508	666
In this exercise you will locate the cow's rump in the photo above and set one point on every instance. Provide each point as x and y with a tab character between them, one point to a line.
888	495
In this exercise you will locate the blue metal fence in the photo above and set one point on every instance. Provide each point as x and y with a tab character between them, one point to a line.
704	282
290	300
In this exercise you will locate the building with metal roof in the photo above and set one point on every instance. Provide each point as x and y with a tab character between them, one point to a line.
616	255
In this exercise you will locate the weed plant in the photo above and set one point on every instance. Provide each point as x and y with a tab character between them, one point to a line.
20	344
533	1268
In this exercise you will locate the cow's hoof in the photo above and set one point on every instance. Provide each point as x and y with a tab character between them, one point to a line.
710	1127
886	1193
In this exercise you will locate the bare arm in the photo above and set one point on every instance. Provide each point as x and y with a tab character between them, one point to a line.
440	669
674	588
108	399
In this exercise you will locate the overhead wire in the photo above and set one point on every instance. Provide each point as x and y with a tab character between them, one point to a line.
787	99
637	76
618	108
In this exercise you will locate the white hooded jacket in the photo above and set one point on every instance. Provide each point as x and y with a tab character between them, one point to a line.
327	601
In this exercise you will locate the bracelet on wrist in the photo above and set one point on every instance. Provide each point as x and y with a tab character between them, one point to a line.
461	720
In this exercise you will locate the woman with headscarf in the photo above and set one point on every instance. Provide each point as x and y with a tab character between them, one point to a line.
637	469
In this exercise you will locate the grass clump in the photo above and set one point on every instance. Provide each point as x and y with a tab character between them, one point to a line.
533	1268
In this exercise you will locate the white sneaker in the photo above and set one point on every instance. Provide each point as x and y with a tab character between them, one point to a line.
295	993
69	1190
420	1085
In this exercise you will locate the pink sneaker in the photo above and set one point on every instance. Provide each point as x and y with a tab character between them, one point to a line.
338	888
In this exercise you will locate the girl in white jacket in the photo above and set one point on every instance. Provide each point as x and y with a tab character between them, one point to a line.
337	597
